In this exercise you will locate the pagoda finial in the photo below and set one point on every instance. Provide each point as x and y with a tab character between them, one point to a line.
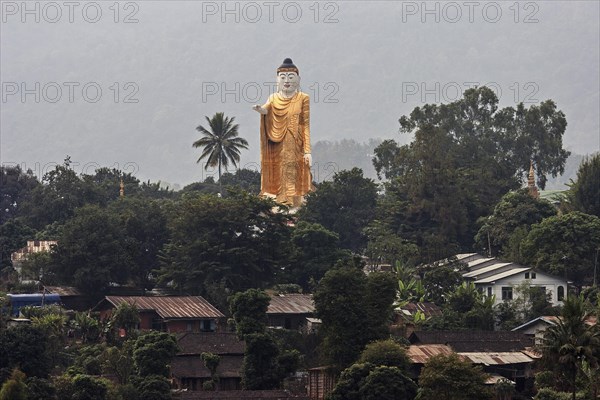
533	190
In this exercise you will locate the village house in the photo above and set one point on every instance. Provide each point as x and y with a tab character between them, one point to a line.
419	355
188	369
493	277
169	313
321	381
537	327
292	311
410	316
501	354
241	395
70	297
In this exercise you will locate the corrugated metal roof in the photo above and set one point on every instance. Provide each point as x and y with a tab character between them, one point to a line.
428	309
484	270
532	352
493	379
421	353
292	303
502	275
503	358
475	263
63	291
171	307
552	320
474	341
465	255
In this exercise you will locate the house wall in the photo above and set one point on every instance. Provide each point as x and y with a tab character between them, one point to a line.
196	383
150	320
536	331
193	325
178	326
146	318
33	246
541	280
288	321
320	383
535	328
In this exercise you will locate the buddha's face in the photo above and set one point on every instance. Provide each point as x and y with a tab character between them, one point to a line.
288	82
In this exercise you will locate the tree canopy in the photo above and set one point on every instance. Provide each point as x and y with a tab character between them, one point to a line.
516	209
570	344
584	193
235	240
355	310
221	144
465	155
315	250
387	353
90	253
249	311
345	206
447	377
564	245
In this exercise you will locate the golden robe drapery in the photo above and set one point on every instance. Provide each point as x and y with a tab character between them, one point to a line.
284	140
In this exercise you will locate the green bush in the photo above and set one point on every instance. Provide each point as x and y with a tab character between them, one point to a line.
544	379
549	394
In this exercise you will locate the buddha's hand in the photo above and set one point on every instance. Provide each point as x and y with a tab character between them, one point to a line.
308	159
259	109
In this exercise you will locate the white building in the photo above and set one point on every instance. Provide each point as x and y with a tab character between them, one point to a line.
33	246
536	328
494	277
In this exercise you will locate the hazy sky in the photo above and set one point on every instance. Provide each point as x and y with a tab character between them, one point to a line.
124	84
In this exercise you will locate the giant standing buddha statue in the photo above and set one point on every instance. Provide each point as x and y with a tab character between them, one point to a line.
285	157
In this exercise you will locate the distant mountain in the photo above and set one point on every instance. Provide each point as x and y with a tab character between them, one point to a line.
330	157
571	167
140	89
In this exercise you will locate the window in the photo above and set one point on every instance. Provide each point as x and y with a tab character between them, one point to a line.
533	275
208	325
561	293
489	291
159	325
526	275
507	293
538	294
189	327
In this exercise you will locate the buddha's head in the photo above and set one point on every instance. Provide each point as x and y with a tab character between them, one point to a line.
288	78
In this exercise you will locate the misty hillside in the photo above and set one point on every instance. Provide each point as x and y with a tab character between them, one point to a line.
364	68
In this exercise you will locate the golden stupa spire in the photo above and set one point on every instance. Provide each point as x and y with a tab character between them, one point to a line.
533	190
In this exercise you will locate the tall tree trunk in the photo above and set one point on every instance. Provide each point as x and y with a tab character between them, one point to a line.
575	382
220	185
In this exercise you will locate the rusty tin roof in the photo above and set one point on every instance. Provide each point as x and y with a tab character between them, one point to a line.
291	303
421	353
171	307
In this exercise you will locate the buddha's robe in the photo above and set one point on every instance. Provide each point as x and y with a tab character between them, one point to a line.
284	140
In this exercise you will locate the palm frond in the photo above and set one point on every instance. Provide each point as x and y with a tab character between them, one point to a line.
221	144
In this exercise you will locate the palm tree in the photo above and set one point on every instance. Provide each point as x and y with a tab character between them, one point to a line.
221	144
572	342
